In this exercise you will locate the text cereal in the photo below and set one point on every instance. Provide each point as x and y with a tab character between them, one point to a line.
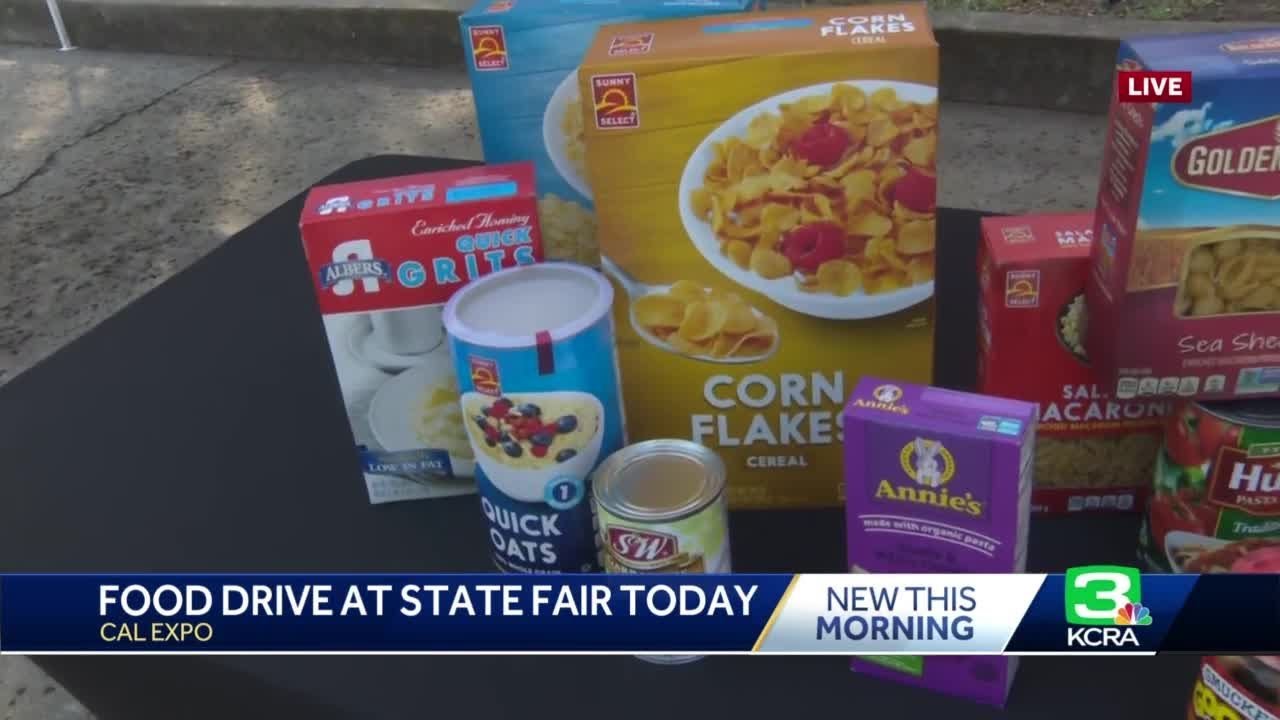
779	239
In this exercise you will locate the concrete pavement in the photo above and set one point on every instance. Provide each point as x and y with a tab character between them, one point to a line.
120	170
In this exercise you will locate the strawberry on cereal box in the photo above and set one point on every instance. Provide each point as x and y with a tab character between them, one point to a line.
1095	451
384	257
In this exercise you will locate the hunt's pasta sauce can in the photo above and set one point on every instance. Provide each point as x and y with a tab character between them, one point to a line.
1216	502
537	370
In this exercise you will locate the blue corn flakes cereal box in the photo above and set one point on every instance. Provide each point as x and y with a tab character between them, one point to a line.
523	59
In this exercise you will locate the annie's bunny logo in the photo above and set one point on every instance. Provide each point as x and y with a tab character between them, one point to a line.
928	463
931	466
928	470
888	394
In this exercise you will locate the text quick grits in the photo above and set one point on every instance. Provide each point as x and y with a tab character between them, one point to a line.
384	256
534	353
778	239
938	482
523	58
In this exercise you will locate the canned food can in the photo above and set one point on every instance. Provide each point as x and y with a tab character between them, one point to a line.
1216	502
1235	687
661	508
534	351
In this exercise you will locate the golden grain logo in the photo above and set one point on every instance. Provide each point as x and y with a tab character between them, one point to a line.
1268	44
1241	160
614	99
1022	288
489	48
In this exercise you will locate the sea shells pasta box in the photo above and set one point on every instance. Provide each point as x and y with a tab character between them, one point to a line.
1095	451
939	481
384	256
766	193
1184	297
523	59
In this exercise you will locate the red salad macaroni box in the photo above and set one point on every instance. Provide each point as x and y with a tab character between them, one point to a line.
1094	451
384	256
1184	296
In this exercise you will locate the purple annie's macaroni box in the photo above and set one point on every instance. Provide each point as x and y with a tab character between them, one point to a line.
938	481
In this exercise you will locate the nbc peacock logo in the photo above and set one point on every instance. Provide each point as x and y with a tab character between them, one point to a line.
1133	614
489	48
615	102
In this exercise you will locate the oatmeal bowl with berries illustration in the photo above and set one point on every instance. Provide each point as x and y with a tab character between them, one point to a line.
526	442
822	198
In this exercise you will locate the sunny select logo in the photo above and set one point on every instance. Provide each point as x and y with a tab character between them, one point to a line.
484	375
1240	160
489	47
1022	288
631	44
1103	606
615	102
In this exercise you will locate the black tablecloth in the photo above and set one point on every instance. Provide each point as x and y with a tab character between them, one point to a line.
201	429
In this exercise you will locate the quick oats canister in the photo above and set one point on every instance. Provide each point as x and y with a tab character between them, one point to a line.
661	508
534	352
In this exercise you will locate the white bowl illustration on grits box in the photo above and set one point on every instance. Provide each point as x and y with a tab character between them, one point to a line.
570	427
784	290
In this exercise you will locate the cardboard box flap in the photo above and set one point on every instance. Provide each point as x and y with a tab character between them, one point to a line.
1034	238
522	14
374	197
1247	53
863	28
882	400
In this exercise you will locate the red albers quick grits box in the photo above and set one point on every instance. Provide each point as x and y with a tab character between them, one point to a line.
1094	451
1184	296
385	256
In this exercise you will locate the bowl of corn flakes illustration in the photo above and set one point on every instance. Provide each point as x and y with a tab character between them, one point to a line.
822	198
529	444
562	134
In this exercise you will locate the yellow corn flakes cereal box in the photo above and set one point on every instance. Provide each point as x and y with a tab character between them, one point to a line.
765	187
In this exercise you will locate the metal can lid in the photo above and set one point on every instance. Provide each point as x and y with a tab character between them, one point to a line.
659	480
1258	412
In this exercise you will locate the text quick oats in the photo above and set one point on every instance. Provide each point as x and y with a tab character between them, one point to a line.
1184	297
1095	451
766	188
523	58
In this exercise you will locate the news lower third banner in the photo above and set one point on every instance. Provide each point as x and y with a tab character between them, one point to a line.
1099	609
